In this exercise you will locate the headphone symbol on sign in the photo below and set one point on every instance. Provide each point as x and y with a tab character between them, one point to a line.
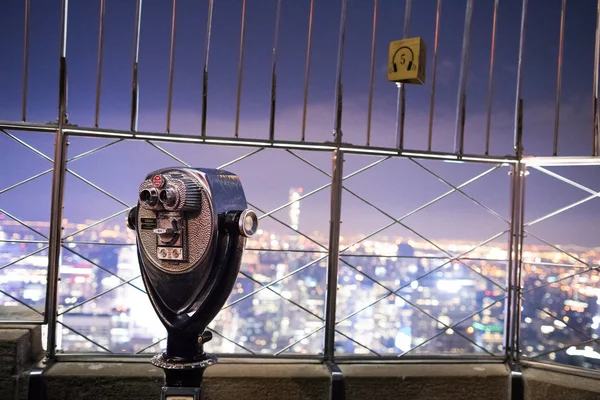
406	57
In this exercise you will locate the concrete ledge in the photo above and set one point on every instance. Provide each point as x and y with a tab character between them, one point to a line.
20	347
426	381
71	380
544	384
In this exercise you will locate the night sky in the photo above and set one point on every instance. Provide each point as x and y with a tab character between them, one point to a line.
396	186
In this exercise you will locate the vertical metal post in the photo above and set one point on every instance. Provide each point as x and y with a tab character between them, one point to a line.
336	202
401	100
509	302
559	75
334	252
134	81
274	75
171	66
25	60
99	72
58	185
459	133
240	69
433	82
595	144
307	69
491	81
205	70
517	140
518	256
372	77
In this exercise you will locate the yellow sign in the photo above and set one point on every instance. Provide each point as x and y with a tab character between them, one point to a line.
407	61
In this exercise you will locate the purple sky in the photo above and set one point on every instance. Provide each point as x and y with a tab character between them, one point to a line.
396	186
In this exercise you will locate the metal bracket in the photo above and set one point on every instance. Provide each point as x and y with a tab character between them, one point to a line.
36	389
517	387
338	391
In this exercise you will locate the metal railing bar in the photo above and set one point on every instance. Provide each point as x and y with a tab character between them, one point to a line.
298	341
488	122
304	160
416	307
25	60
41	127
12	322
441	332
171	66
557	248
167	153
133	119
84	336
102	243
372	74
422	257
98	295
30	147
595	88
434	78
31	178
549	264
95	264
21	302
9	215
96	223
459	134
421	277
150	345
18	260
276	281
307	68
95	150
14	241
99	67
358	343
227	164
287	251
559	75
240	69
486	208
274	74
401	99
246	275
205	67
98	188
339	85
517	138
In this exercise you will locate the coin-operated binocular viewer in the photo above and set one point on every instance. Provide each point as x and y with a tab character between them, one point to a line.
191	227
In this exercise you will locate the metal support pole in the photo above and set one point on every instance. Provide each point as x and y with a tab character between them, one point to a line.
401	100
336	201
274	75
596	90
58	185
25	61
205	69
517	139
459	135
334	253
134	80
513	302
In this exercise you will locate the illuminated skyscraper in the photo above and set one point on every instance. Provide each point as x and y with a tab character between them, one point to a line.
295	194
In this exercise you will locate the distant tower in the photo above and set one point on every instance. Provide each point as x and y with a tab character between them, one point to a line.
295	194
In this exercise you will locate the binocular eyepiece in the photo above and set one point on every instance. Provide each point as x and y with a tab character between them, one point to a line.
191	227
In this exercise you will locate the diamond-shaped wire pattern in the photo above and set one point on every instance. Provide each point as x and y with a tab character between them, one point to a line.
403	293
560	315
24	230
